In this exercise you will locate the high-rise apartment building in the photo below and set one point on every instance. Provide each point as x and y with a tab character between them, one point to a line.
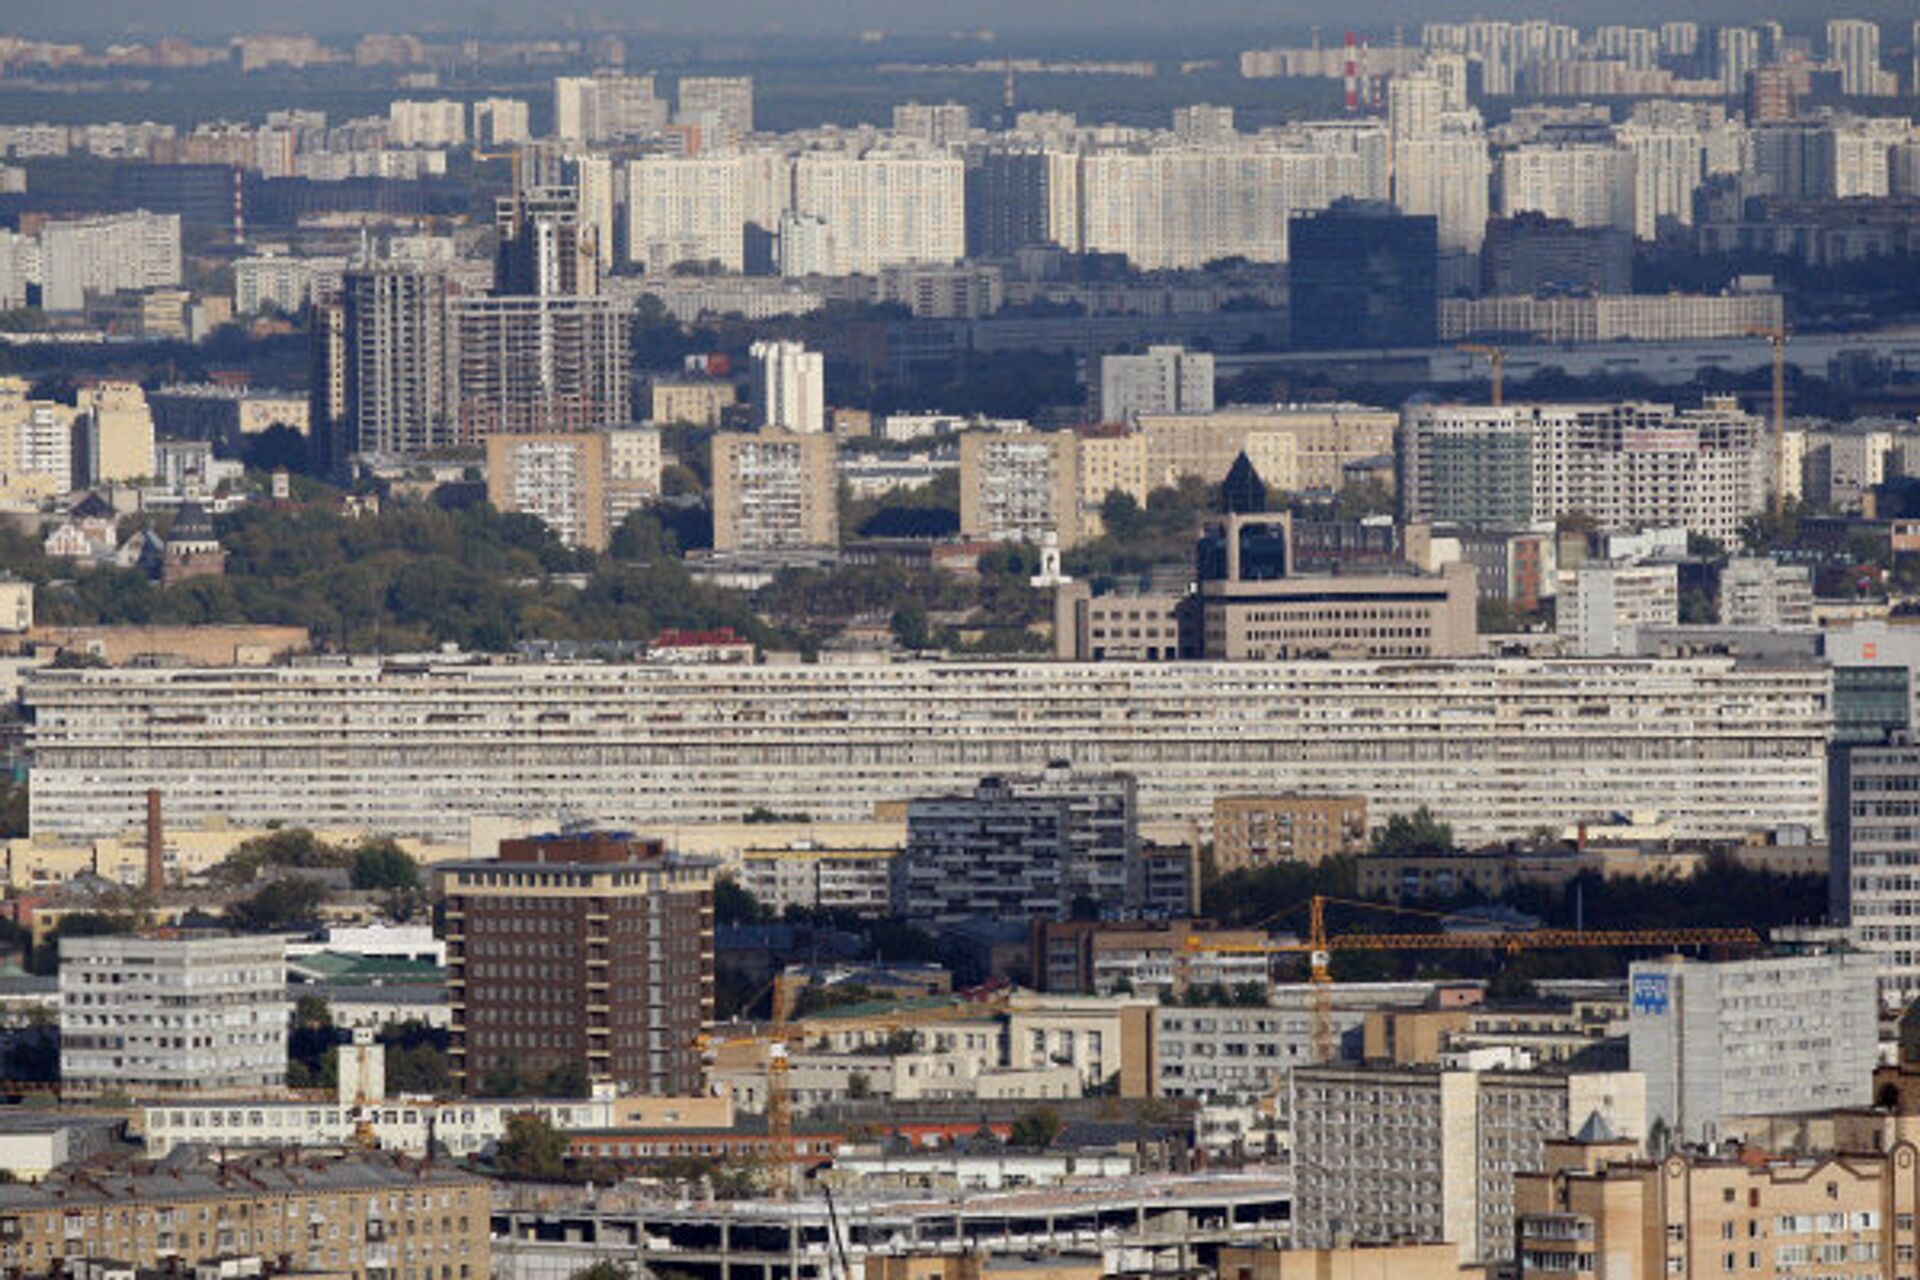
1447	174
876	210
107	254
1873	804
581	484
1423	1155
934	123
154	1016
1853	46
440	123
592	949
116	434
1628	465
1590	185
1028	847
789	387
1020	486
1601	606
775	490
1165	379
686	209
396	348
548	248
1757	591
727	100
539	363
1775	1036
500	122
606	107
1362	275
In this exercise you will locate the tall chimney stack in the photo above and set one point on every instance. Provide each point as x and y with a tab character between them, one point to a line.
156	844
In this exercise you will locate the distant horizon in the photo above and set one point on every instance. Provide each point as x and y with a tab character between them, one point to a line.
827	19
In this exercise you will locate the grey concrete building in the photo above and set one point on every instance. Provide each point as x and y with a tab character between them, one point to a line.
1752	1037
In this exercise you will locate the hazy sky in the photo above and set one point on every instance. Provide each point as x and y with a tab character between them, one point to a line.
747	17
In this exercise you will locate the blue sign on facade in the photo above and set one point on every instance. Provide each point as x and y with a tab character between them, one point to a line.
1650	993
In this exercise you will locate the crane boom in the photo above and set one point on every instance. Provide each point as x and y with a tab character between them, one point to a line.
1319	946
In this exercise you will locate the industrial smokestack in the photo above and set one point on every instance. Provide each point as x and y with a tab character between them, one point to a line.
156	845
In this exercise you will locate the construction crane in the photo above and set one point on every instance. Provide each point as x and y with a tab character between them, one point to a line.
512	156
1319	946
1777	340
781	1037
1496	362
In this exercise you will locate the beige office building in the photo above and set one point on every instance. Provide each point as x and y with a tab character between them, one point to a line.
1595	1209
775	490
1020	486
118	429
696	402
1295	448
1258	831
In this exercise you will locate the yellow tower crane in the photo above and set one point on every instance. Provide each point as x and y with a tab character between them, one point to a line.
1496	363
1319	946
1777	341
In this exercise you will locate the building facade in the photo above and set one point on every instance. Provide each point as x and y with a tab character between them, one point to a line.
1161	380
1258	831
420	746
775	490
593	949
151	1016
1752	1037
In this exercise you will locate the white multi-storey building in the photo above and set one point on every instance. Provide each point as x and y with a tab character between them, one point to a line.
1776	1036
1162	380
1588	185
440	123
419	747
137	250
686	209
1601	606
879	209
1853	46
789	387
726	100
1668	167
606	107
1758	592
146	1016
500	122
1447	173
1628	466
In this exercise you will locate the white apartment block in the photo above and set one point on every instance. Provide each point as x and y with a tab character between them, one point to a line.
606	107
1182	208
1759	592
789	387
422	747
1589	185
814	878
137	250
1447	174
686	209
1777	1036
283	282
464	1126
500	122
1386	1156
1853	46
1631	465
147	1016
1875	808
726	100
19	268
440	123
880	209
1214	1054
1601	607
1668	168
1162	380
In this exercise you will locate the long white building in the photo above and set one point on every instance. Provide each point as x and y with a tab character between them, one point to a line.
419	746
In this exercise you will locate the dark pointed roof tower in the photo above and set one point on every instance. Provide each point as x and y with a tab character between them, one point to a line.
1243	492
